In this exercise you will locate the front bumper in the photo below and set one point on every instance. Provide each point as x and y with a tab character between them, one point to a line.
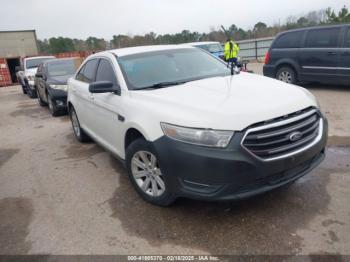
231	173
59	98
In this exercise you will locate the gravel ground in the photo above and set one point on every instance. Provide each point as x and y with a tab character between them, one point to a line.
61	197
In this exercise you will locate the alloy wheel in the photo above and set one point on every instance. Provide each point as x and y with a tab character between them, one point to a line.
147	174
285	76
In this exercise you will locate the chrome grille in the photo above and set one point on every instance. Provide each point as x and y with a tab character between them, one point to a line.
284	136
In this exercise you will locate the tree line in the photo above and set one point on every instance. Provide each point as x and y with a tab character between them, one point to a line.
64	44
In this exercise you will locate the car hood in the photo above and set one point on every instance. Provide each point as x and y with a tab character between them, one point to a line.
31	71
59	80
225	103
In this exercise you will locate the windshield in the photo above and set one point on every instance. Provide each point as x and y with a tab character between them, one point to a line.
212	48
33	63
178	65
62	68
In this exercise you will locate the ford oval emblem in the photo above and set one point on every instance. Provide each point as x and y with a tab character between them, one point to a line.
295	136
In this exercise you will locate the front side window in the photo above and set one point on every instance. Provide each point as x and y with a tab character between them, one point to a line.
105	72
322	38
178	65
88	71
289	40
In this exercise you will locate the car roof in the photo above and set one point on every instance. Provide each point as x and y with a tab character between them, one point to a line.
38	57
61	59
201	43
140	49
312	27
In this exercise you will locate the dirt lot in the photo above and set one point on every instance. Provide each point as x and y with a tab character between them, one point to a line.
61	197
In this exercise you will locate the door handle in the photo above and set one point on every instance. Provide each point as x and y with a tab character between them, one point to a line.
91	96
346	53
331	53
74	89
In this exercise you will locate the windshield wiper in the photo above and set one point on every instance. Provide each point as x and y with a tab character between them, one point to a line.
162	85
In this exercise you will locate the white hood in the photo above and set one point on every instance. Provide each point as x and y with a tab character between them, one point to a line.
225	103
31	71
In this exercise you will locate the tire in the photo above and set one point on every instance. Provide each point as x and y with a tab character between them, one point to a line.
41	102
286	74
52	107
78	131
24	90
30	92
144	171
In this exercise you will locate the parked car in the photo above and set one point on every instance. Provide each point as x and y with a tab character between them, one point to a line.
215	48
316	54
186	127
51	83
26	75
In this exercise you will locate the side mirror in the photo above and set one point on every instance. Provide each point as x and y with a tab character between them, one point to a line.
17	69
39	74
103	87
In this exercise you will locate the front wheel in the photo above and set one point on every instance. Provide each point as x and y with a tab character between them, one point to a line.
41	102
31	93
146	175
52	107
287	75
24	90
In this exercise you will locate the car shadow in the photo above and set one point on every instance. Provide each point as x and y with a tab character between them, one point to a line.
265	224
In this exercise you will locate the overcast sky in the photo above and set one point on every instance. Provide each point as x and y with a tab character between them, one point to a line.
104	18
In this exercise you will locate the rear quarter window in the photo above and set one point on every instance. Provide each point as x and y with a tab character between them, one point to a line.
289	40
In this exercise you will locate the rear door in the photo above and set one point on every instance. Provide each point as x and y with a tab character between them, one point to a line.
344	60
319	57
82	99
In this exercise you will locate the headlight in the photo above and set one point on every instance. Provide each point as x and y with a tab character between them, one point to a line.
202	137
30	78
60	87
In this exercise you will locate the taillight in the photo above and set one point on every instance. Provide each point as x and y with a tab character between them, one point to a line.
267	58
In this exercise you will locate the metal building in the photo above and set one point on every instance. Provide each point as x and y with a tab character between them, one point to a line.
15	45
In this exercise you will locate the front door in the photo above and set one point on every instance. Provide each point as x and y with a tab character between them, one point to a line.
107	110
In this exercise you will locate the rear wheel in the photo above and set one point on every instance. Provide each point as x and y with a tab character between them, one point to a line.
286	74
146	175
78	131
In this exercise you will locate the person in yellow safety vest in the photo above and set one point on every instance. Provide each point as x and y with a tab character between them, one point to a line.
231	52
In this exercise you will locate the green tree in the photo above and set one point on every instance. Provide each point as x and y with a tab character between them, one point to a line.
94	43
61	44
342	17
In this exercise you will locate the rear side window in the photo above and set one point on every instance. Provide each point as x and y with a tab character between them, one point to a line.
347	38
289	40
88	71
105	72
322	38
